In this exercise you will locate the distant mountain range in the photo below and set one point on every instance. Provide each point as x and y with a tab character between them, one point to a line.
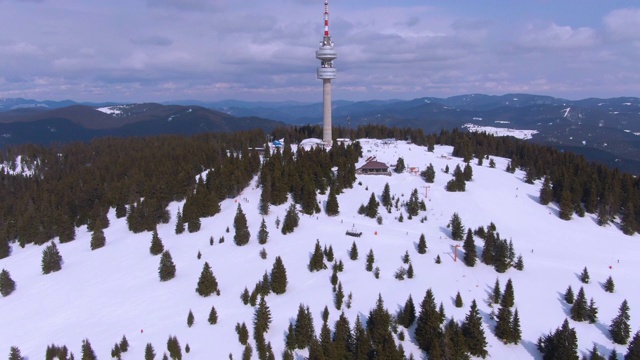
605	130
43	124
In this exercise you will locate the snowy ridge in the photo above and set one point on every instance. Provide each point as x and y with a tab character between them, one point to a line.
114	110
520	134
103	294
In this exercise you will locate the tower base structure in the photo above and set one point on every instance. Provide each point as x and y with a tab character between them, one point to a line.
326	106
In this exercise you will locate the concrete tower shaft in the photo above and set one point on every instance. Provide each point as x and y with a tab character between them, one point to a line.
326	54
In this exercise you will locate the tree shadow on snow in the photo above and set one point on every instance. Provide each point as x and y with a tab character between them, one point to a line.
532	348
565	306
604	330
445	231
487	319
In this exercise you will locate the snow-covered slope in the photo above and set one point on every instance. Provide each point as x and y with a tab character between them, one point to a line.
114	291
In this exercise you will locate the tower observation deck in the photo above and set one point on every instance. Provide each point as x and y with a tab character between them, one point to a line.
326	72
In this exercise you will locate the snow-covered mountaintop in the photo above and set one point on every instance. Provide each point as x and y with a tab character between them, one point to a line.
114	110
103	294
520	134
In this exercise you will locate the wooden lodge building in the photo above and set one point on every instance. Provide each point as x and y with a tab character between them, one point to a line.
373	167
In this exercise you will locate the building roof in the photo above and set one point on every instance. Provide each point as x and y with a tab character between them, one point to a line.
374	165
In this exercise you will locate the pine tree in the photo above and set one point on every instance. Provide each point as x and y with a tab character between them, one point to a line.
339	296
290	338
584	276
619	328
213	316
386	197
497	293
592	312
408	314
566	204
353	253
14	353
287	355
242	234
371	210
546	193
370	260
243	333
316	263
7	285
508	296
594	354
474	333
628	224
244	296
190	319
410	271
329	254
87	351
613	355
98	239
167	269
304	331
580	309
428	329
569	297
609	286
332	208
633	351
207	283
156	247
342	338
149	352
429	174
124	344
519	263
469	248
194	224
278	277
468	172
400	166
422	245
174	348
516	331
262	317
51	259
263	234
265	196
458	301
179	223
503	324
361	342
291	220
457	229
562	344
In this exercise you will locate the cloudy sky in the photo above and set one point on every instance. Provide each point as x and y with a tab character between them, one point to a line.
157	50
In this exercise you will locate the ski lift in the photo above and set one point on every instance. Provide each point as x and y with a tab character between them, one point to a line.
354	232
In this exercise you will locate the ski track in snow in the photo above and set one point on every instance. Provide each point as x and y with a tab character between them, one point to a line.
103	294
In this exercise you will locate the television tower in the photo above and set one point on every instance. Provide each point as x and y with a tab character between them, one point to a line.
326	54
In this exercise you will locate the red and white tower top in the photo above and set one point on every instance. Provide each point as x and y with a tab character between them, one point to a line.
326	18
326	54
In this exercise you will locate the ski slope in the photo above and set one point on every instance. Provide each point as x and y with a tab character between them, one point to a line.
114	291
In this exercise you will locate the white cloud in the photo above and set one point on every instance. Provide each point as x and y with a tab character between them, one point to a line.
623	24
553	36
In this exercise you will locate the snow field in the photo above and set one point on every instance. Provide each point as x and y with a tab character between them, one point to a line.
103	294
